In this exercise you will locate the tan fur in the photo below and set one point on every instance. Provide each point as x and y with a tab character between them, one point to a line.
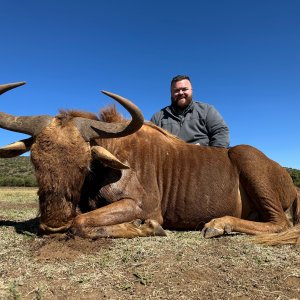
69	114
60	164
165	133
289	236
171	183
110	115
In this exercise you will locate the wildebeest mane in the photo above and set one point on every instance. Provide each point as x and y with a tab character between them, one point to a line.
66	115
109	114
164	132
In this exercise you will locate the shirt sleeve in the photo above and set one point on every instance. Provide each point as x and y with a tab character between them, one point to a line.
217	129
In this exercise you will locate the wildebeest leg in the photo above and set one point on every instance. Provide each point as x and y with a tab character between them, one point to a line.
136	228
269	193
219	226
118	219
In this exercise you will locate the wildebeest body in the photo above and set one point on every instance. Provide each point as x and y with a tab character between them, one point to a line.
101	187
184	186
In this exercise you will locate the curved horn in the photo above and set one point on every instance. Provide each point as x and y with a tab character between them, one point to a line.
26	124
16	149
6	87
91	129
31	125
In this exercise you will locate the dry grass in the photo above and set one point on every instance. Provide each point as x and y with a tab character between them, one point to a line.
181	266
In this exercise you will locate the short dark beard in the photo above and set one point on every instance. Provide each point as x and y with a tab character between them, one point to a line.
174	104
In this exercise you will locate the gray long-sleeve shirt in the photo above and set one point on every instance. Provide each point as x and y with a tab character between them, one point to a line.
198	123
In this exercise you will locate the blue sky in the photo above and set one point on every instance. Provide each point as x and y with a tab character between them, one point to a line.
243	56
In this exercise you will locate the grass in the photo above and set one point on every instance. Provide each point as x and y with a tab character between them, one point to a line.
180	266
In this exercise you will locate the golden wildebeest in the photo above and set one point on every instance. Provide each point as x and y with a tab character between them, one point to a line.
108	177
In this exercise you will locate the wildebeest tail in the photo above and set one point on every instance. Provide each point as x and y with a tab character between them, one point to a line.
289	236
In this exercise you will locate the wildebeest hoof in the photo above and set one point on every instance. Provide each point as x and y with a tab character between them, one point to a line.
157	229
227	229
70	234
74	231
212	232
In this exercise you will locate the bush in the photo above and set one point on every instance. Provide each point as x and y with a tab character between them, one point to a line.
17	171
295	174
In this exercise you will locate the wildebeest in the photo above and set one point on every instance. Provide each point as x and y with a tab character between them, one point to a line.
115	178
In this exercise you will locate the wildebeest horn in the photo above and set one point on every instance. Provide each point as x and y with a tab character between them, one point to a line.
31	125
25	124
6	87
16	149
91	129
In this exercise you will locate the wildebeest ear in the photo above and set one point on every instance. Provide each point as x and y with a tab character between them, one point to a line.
16	149
107	158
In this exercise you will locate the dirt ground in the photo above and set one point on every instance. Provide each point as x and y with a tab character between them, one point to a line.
182	265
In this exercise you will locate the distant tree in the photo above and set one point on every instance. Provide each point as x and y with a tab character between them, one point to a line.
295	174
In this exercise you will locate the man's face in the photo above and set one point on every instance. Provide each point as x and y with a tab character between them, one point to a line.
181	93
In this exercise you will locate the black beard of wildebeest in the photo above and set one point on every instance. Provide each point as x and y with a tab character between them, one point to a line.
110	177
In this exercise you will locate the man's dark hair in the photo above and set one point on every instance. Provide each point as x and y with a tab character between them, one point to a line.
179	78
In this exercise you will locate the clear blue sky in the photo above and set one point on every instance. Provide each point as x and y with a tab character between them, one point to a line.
243	56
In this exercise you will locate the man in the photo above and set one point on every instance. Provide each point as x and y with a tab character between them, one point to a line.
193	122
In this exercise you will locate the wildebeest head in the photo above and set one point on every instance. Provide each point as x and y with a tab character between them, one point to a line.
61	154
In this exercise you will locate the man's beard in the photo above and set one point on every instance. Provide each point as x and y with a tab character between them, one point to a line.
188	100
